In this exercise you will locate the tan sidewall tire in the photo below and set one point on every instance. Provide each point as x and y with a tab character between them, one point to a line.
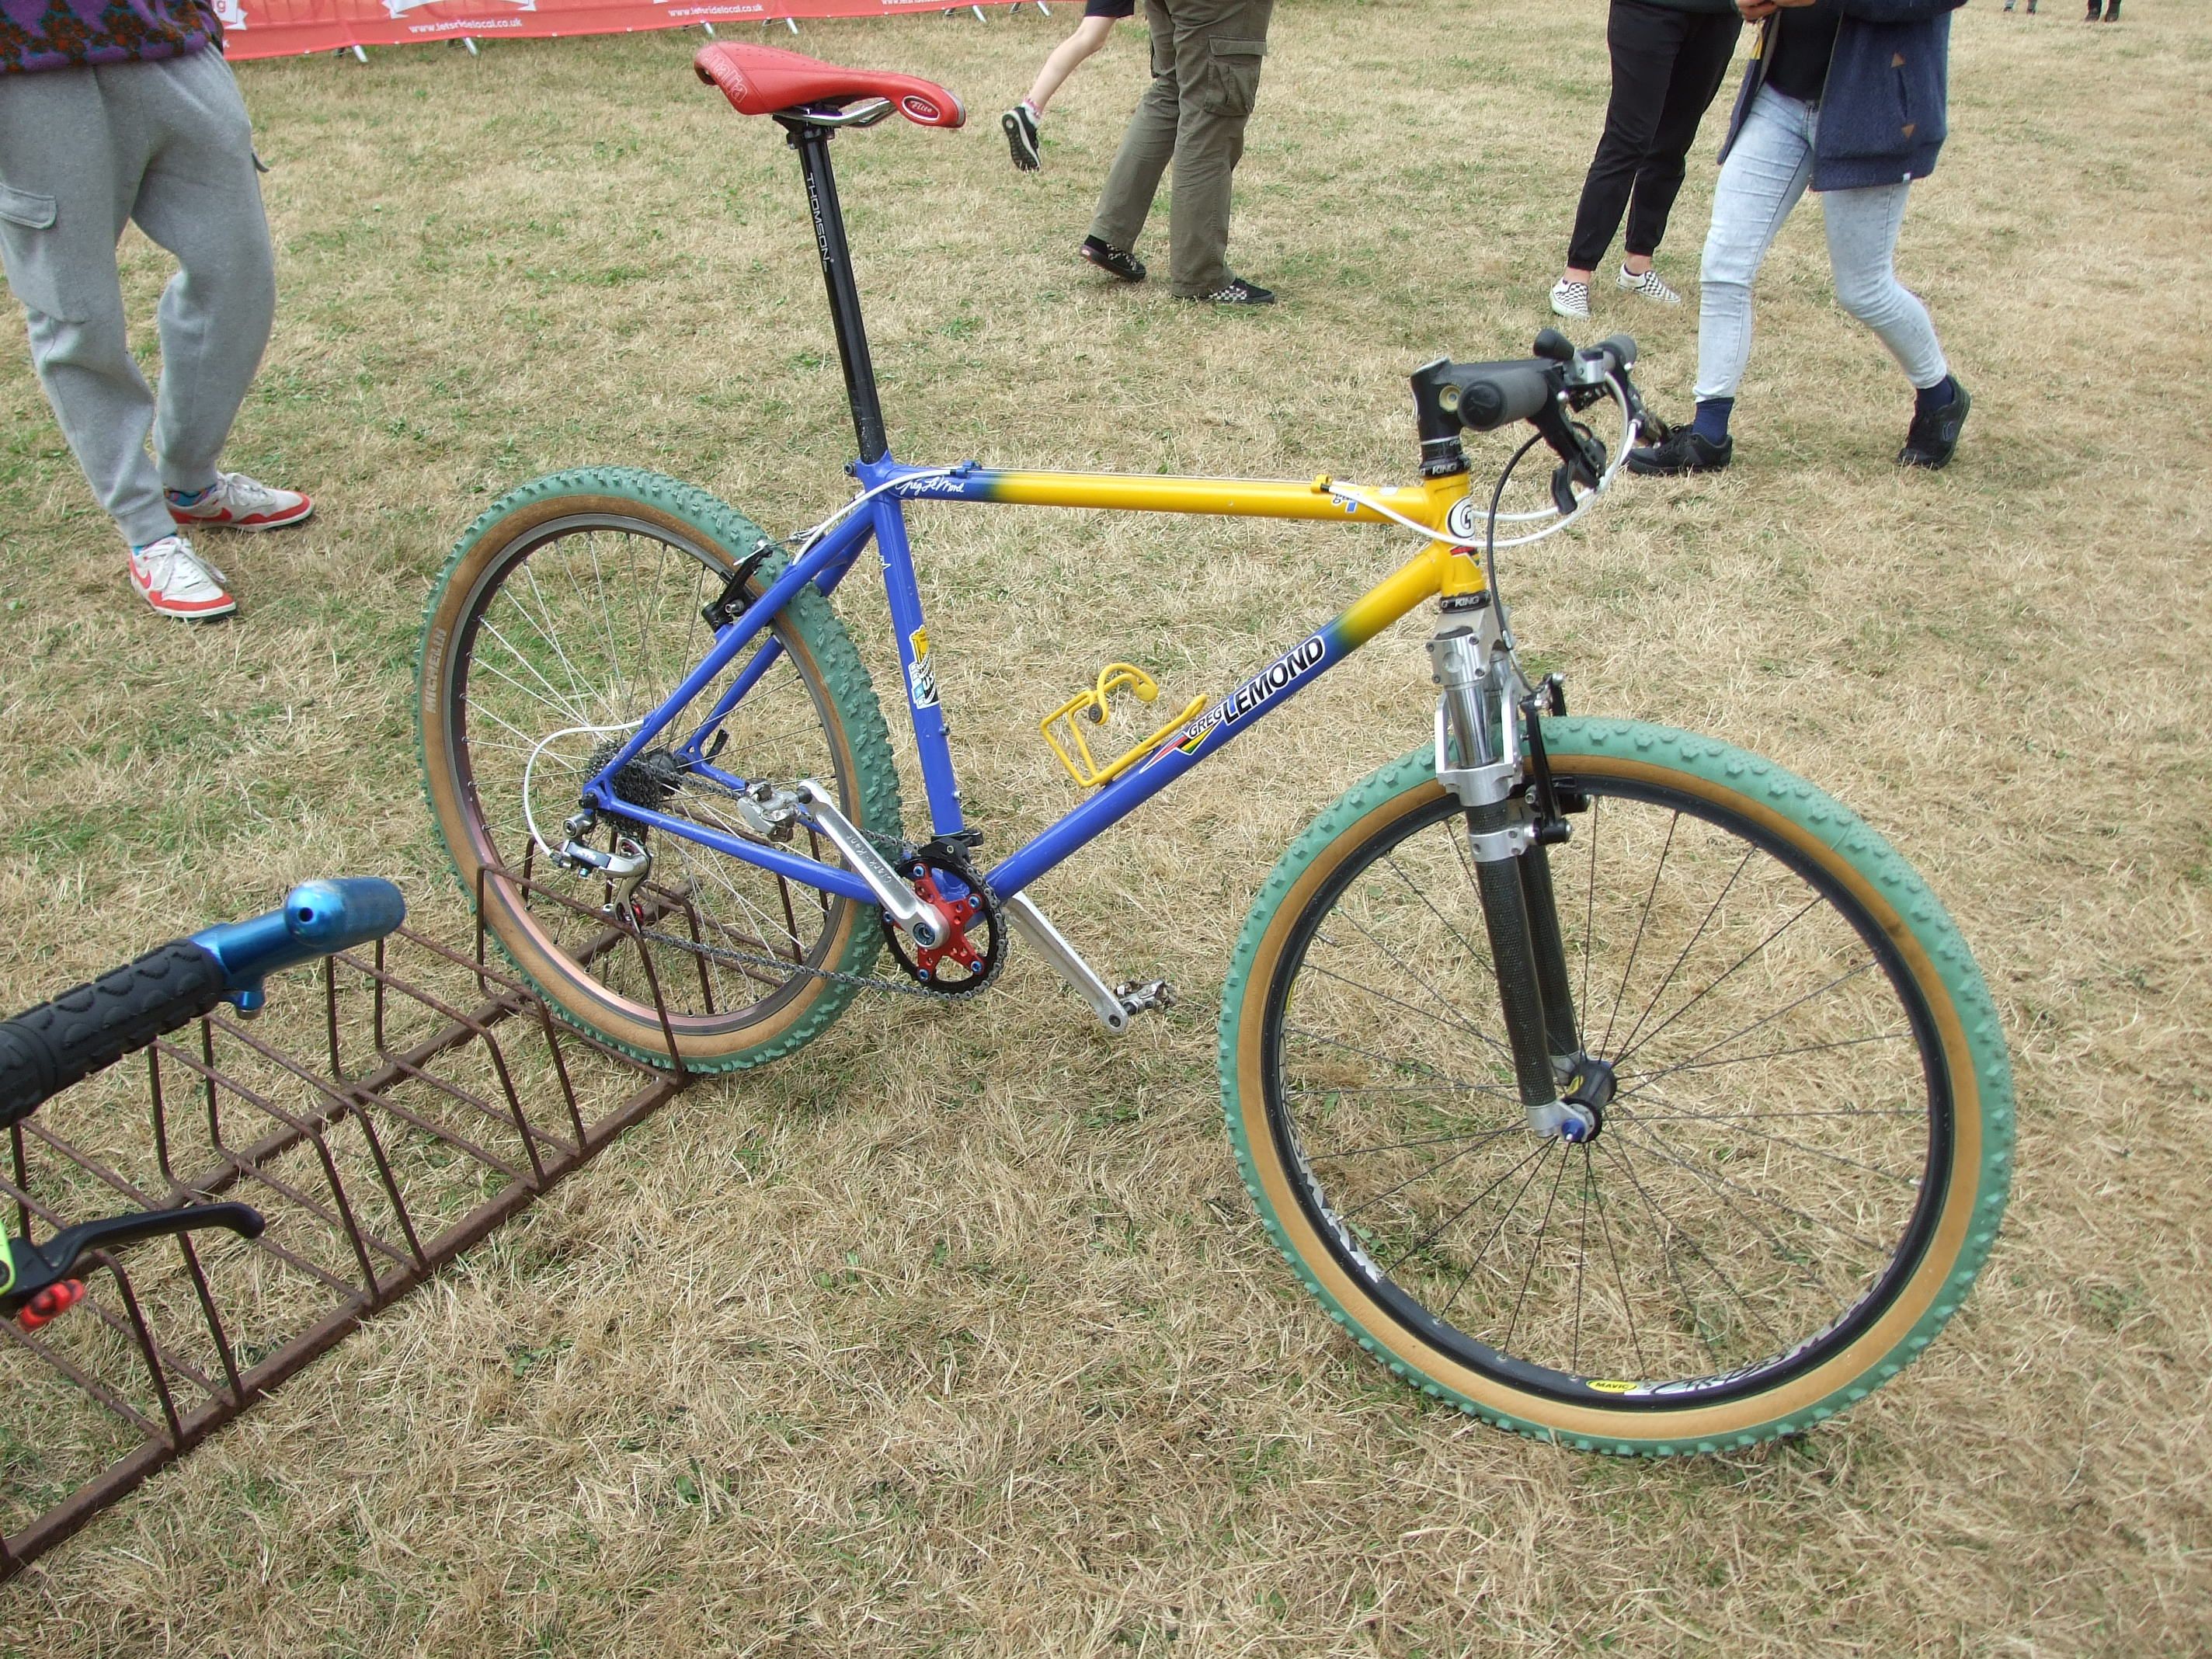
825	656
1833	838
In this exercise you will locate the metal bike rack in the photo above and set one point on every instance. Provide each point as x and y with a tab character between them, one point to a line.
443	1098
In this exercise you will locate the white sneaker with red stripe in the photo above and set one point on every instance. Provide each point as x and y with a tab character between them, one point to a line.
177	583
234	502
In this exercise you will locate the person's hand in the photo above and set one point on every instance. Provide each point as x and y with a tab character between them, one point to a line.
1755	11
1793	3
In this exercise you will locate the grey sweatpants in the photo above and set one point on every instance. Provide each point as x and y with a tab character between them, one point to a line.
83	152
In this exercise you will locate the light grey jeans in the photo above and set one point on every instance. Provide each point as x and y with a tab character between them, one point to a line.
1765	174
83	152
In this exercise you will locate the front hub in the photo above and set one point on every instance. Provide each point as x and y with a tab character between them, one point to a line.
1587	1097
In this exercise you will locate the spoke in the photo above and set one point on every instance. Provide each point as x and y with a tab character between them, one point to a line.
1477	1144
1650	1077
1481	958
1413	975
1627	1308
553	698
1768	1117
1705	921
1403	1145
1442	1019
1536	1250
1848	975
1387	1064
1391	1089
1659	1149
599	586
1678	1113
1690	1304
577	683
1642	922
1530	1163
1581	1261
1794	918
1534	1165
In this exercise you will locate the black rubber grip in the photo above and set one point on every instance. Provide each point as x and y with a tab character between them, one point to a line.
1492	395
1621	348
87	1029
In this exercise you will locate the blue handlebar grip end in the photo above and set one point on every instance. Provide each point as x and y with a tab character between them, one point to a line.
316	917
337	915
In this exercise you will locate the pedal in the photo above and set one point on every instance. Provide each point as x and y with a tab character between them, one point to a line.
1091	707
1141	996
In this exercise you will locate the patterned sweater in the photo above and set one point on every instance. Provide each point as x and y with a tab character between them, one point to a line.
45	35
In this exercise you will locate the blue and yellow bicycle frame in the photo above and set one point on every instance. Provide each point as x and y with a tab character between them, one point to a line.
1440	567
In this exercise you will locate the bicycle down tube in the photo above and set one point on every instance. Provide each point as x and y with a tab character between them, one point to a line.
1437	567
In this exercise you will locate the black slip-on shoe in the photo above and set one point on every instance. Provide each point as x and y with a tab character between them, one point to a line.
1933	437
1684	450
1112	260
1022	138
1237	292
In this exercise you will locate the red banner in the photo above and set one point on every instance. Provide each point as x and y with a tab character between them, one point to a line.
279	28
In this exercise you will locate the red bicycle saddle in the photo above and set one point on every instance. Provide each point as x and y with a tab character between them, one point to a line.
767	80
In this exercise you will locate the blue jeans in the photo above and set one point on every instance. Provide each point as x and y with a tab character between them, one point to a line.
1765	174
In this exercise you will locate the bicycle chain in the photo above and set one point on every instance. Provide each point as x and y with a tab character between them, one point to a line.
794	970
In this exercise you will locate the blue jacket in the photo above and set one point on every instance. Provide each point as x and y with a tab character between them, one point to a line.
1882	111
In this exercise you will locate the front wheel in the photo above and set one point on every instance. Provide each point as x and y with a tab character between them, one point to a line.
1805	1154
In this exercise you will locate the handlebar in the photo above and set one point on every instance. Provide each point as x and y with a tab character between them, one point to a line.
86	1029
1545	389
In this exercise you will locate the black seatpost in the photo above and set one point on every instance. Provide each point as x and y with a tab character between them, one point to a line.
812	144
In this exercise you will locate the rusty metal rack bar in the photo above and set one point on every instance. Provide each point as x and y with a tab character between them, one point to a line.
473	1101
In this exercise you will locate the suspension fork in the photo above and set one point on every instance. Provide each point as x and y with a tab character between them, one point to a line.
1478	742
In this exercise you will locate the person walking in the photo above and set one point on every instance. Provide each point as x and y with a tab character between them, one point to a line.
1020	122
1848	96
1669	58
112	111
1206	56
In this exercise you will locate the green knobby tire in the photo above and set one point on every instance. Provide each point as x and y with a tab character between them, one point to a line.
1360	961
580	591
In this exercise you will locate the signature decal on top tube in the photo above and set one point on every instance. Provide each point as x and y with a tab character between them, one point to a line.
1286	670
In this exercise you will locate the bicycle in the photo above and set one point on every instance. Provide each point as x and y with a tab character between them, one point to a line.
86	1030
1540	965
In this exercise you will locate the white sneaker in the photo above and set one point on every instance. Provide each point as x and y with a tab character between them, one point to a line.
177	583
236	502
1648	286
1570	299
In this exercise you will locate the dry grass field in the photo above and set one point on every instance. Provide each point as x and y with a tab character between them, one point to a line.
955	1332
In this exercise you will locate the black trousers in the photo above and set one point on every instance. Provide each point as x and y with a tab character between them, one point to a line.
1667	66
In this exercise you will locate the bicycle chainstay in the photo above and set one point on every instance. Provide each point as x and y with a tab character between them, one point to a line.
899	851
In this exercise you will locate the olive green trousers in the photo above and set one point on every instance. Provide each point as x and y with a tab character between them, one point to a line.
1206	74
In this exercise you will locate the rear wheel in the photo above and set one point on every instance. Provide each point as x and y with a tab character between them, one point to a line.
1802	1156
567	613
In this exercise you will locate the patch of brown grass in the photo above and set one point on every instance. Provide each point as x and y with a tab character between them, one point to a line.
955	1332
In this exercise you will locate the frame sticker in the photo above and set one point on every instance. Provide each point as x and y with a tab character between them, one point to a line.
921	678
1286	670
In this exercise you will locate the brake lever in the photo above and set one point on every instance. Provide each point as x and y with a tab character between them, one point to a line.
1582	454
34	1278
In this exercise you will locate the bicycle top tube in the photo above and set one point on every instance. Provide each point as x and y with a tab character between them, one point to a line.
1430	506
